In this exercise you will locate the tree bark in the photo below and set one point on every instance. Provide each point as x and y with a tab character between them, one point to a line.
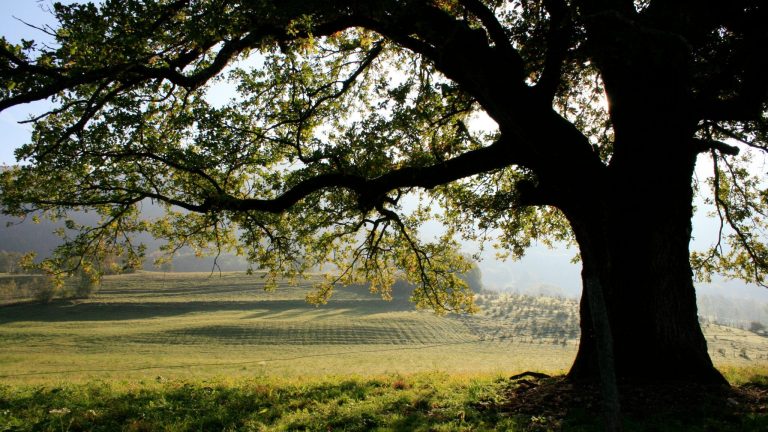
604	348
635	238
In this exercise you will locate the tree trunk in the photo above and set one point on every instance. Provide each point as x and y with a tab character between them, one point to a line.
634	238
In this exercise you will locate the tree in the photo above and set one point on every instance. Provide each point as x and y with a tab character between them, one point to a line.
473	278
9	261
344	107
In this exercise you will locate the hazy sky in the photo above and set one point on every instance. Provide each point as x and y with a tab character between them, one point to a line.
540	267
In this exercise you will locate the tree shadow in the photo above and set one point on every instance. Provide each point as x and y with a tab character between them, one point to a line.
69	311
349	405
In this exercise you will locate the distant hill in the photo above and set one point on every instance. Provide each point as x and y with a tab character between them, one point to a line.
17	235
733	312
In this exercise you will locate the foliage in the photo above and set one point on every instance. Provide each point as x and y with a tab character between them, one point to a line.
351	121
85	285
44	289
25	287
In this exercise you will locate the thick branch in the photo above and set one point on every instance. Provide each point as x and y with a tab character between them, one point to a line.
461	53
746	107
372	191
495	29
705	145
558	42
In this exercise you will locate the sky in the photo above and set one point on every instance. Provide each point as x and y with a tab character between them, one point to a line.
541	267
33	12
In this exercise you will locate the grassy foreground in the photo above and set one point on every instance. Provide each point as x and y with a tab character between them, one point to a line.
421	402
189	352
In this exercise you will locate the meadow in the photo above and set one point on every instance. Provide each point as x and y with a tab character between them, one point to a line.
187	351
144	325
181	325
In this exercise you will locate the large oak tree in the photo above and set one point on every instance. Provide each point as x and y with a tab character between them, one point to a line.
342	107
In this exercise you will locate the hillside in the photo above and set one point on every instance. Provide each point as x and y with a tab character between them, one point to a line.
183	324
145	325
25	236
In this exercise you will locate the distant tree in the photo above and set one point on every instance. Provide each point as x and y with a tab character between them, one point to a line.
756	327
10	262
344	107
473	278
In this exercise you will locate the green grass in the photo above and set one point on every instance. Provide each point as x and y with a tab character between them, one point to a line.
420	402
192	325
423	402
198	326
189	352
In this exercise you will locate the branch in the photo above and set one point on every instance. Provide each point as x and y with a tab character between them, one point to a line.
745	107
704	145
717	248
495	30
422	259
137	70
366	62
460	52
372	191
738	137
558	42
725	213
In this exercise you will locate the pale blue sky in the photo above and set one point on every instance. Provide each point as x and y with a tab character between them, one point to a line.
12	13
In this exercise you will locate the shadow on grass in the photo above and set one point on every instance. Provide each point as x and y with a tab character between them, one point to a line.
66	311
181	291
348	405
429	402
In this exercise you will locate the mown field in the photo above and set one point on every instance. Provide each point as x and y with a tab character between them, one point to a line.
182	325
154	351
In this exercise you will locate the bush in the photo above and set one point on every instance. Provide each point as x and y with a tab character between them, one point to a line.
756	327
8	289
22	287
43	289
84	285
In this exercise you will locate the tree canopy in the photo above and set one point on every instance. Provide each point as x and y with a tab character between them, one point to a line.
340	109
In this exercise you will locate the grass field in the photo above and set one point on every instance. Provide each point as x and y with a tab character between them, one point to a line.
190	352
146	325
187	325
421	402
